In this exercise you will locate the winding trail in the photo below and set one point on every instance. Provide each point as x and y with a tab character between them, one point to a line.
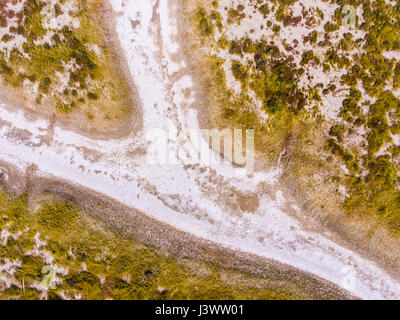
185	197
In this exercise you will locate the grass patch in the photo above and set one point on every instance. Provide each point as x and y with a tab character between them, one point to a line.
75	57
101	264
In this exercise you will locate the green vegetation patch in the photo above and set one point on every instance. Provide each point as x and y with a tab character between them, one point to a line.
90	261
360	142
59	57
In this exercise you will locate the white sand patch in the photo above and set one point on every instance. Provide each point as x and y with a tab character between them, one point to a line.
5	235
45	39
95	48
68	9
391	55
7	271
31	88
16	42
356	139
396	139
16	7
10	267
383	150
343	190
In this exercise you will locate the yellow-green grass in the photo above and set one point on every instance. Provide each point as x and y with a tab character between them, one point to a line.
313	150
97	88
114	267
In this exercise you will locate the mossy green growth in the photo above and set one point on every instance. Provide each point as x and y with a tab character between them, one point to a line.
236	15
58	216
239	71
74	57
309	56
204	22
272	77
361	139
90	261
376	192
